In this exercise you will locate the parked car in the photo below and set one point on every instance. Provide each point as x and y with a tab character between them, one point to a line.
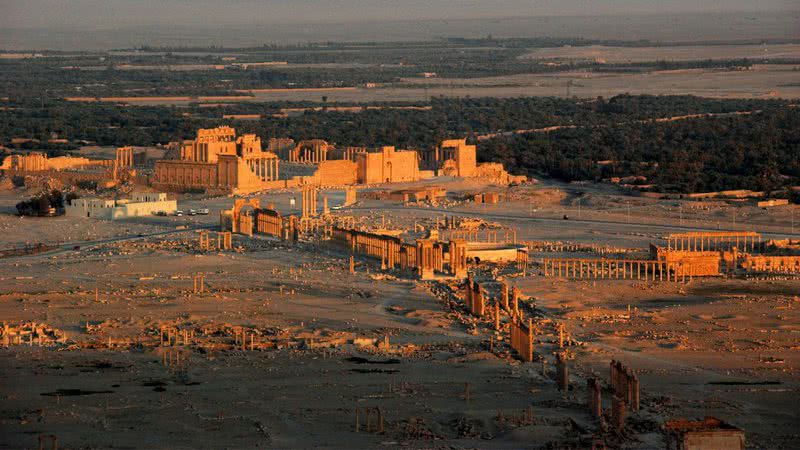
202	211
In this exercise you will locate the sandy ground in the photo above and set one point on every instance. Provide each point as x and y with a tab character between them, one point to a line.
718	347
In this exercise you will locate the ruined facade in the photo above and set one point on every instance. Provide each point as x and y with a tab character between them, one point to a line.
32	162
456	158
771	263
453	157
312	151
39	162
281	147
218	160
387	166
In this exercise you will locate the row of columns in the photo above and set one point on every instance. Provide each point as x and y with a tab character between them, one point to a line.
561	247
265	168
124	157
199	283
269	222
474	298
522	260
32	162
314	154
309	201
224	240
713	241
350	153
522	339
509	235
625	383
608	268
458	258
428	258
777	264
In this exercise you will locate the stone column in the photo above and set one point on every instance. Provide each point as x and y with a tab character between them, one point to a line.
562	372
515	300
595	399
633	392
618	413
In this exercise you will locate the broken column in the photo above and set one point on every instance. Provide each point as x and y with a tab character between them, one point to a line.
458	258
515	300
425	258
618	412
595	400
633	391
562	371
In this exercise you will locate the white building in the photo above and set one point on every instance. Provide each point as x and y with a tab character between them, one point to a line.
141	204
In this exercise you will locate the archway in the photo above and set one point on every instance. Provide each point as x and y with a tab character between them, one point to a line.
236	215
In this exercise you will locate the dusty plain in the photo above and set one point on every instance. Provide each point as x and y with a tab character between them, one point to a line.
287	344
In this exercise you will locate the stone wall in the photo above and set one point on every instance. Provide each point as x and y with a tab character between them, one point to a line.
387	166
336	173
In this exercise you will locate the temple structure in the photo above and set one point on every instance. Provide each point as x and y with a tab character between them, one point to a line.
218	160
39	162
456	158
312	151
387	166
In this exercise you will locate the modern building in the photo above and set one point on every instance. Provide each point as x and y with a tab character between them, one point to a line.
141	204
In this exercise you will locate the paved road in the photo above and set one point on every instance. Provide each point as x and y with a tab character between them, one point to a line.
562	221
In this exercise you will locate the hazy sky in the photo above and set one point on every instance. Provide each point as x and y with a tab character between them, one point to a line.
119	13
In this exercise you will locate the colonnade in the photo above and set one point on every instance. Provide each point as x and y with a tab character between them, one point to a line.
714	241
625	384
429	258
522	339
522	260
775	264
32	162
474	298
224	240
309	201
509	235
561	247
124	157
458	258
647	270
265	168
309	152
269	222
388	249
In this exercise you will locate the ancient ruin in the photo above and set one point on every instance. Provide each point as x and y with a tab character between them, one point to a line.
450	289
219	161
